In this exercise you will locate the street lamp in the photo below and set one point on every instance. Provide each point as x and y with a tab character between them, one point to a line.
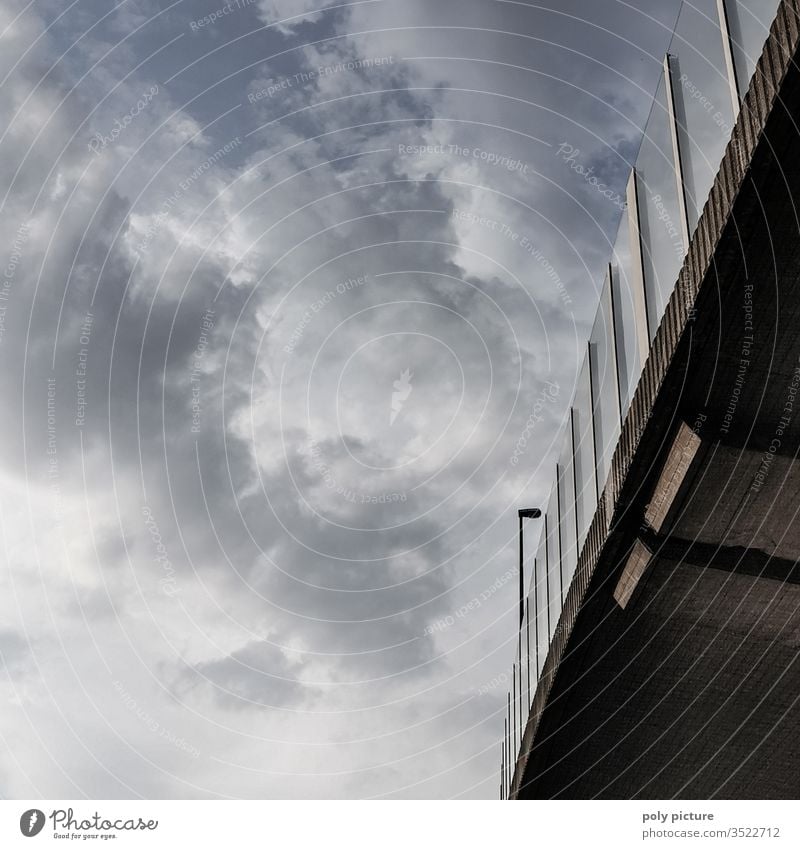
525	513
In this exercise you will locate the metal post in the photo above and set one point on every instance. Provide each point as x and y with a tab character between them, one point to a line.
611	494
636	280
559	471
522	713
613	302
547	574
536	613
526	513
670	63
528	639
521	569
727	49
505	754
503	764
514	711
592	388
574	481
509	761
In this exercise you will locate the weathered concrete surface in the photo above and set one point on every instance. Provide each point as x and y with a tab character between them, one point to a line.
690	692
693	689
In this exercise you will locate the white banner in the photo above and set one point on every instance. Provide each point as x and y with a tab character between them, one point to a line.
399	825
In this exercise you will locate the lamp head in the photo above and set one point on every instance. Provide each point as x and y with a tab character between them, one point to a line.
529	513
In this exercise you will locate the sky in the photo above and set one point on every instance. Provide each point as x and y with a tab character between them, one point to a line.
283	284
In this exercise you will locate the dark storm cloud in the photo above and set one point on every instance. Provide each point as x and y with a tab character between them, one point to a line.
254	532
258	674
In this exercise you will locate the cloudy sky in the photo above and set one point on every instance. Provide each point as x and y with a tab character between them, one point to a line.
282	282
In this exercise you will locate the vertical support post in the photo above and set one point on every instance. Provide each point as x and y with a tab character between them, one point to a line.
560	537
528	639
521	573
612	328
677	156
509	759
521	611
503	765
612	367
620	356
547	575
514	714
638	290
521	682
727	49
592	388
536	612
574	478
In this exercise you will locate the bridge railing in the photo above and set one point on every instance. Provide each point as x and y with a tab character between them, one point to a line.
706	72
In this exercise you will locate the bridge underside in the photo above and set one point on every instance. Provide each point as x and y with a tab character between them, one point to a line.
692	693
680	676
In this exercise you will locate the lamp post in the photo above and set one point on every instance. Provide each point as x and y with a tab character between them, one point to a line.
525	513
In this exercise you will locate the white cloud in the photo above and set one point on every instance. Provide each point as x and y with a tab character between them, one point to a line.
300	575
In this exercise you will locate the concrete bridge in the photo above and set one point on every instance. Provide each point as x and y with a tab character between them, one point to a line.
673	670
